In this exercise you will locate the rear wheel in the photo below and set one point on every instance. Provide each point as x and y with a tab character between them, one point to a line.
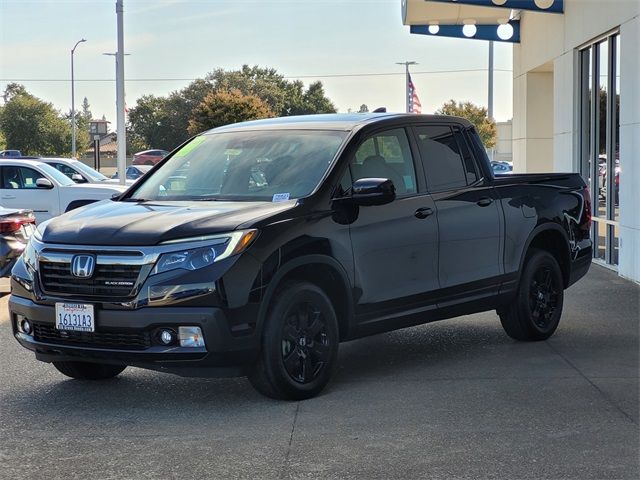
299	344
537	308
88	371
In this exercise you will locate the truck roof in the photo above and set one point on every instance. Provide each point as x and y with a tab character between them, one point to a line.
334	121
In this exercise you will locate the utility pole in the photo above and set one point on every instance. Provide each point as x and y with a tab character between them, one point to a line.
407	99
490	93
491	70
120	131
73	103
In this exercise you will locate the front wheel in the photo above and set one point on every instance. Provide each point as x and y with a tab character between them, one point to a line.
88	371
536	311
299	344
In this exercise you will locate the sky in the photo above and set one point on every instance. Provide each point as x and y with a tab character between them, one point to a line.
352	46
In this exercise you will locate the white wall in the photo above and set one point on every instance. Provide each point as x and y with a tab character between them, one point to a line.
554	39
630	149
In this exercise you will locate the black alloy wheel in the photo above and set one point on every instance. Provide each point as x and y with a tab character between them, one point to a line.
305	343
299	343
543	297
534	314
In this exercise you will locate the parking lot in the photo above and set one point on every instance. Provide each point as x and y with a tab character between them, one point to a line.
455	399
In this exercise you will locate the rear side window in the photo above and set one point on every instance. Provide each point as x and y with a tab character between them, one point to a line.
447	161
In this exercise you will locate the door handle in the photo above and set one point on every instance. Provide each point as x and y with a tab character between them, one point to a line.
8	197
423	212
485	202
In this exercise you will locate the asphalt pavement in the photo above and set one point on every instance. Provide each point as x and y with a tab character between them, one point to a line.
454	399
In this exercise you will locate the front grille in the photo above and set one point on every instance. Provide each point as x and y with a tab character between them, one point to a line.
48	333
107	280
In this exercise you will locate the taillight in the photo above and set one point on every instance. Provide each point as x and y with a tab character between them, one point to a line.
11	225
586	194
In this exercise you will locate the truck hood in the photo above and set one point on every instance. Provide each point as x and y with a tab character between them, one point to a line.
149	223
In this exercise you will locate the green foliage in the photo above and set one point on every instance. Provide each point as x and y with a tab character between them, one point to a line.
33	126
226	107
163	122
477	116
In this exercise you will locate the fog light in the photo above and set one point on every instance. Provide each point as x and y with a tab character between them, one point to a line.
167	337
24	325
190	337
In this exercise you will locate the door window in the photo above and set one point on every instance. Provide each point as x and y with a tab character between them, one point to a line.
67	170
444	163
19	177
387	155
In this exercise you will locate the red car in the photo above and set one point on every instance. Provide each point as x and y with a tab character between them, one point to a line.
149	157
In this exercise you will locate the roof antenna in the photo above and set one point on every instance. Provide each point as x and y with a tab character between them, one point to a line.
380	110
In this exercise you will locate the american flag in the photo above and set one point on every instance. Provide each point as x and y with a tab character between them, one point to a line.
414	102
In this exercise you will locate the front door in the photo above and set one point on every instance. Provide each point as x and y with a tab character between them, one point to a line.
395	246
19	190
468	214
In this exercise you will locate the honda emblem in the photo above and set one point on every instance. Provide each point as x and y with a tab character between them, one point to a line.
82	266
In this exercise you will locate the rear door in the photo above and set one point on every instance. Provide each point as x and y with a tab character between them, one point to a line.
469	221
395	246
19	190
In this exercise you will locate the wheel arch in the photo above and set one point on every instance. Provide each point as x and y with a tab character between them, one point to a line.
323	271
552	238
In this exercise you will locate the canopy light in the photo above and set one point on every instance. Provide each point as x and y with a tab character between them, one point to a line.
505	31
469	30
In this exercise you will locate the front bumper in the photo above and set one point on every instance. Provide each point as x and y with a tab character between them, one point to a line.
224	354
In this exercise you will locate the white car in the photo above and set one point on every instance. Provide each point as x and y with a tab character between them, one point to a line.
48	192
79	172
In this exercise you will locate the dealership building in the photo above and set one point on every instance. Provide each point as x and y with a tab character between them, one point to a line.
576	97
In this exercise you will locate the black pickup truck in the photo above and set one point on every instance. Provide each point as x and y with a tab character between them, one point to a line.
255	249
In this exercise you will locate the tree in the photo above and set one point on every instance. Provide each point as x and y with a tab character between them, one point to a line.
477	116
163	122
11	90
34	126
225	107
363	108
283	96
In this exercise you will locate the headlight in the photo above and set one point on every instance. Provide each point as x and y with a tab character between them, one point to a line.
219	247
29	256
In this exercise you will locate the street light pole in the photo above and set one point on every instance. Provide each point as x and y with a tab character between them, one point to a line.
407	100
73	104
120	132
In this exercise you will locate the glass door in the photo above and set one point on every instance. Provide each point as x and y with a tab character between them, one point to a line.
599	84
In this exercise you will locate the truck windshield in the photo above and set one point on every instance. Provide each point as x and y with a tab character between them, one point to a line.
249	165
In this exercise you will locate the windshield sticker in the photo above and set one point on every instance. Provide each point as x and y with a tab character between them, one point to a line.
189	147
280	197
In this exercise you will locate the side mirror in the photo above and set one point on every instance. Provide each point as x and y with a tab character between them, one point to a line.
76	177
373	191
44	183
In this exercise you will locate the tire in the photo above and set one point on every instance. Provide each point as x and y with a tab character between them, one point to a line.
535	312
299	344
88	371
150	163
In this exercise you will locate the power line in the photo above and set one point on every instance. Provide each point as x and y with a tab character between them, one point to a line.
290	77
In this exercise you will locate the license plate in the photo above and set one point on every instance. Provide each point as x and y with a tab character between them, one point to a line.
76	317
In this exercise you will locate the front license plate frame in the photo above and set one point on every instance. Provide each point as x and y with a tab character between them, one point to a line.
75	317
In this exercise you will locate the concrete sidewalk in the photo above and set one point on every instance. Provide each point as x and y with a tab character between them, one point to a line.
455	399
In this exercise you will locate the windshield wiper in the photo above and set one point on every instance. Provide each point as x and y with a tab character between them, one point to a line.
134	200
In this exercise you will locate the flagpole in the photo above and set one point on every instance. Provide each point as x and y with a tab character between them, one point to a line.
407	100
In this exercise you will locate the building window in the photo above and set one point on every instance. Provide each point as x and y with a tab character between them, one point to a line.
599	84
